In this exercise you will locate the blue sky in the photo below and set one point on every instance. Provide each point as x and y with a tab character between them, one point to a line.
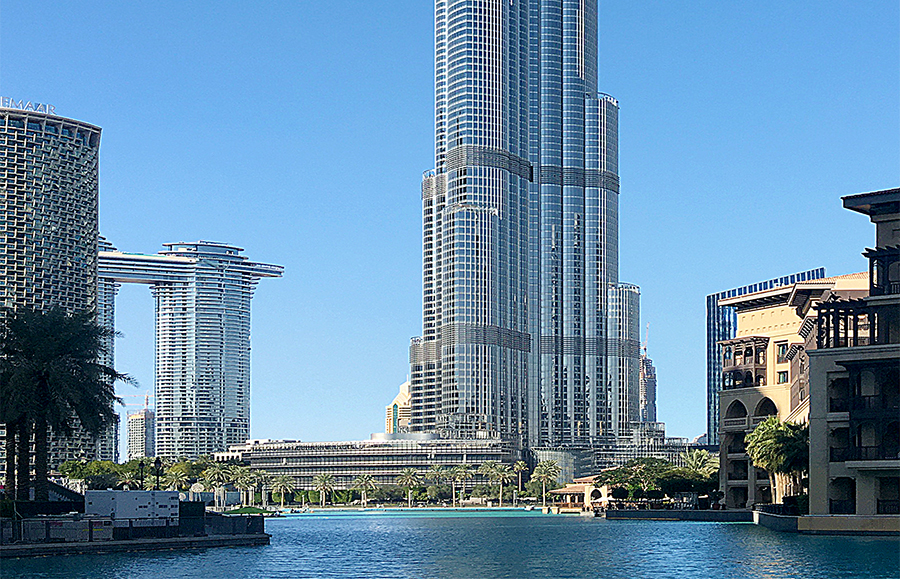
300	130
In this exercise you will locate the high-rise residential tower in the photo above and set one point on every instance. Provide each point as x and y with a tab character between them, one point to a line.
202	292
721	324
48	229
519	227
623	357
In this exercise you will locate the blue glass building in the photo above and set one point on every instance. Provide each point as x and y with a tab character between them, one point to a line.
520	237
721	324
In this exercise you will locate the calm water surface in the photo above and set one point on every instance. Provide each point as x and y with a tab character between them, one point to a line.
515	544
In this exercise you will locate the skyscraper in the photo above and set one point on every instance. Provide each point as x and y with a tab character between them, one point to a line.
48	227
519	227
648	389
721	324
202	292
623	357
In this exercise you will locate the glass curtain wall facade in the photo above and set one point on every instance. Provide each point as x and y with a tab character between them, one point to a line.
519	226
203	292
721	324
624	358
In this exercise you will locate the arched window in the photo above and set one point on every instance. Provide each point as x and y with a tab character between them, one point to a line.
766	408
736	410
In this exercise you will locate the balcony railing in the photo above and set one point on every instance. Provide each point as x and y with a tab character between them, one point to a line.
840	454
874	403
737	476
842	506
734	423
888	507
875	453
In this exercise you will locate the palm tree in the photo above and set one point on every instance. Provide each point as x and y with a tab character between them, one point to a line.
502	474
546	471
365	483
700	461
488	469
459	474
215	477
436	474
262	481
282	484
51	378
408	478
519	467
177	479
779	448
324	483
246	483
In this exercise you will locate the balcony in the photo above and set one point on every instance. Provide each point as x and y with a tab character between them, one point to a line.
737	449
854	323
874	453
738	476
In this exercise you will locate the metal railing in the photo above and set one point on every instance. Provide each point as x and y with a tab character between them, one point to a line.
888	507
842	506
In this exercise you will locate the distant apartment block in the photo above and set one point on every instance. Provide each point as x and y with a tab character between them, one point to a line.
721	324
141	434
202	292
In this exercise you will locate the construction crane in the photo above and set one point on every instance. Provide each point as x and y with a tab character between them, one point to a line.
146	398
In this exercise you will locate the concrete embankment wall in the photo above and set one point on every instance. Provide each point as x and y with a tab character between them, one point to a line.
45	549
701	516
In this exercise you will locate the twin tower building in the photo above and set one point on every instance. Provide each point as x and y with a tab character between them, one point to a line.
527	332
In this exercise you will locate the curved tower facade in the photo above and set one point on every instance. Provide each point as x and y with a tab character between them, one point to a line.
48	173
519	226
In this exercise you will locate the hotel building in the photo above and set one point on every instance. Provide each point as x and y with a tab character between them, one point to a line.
854	386
764	374
721	324
397	413
202	292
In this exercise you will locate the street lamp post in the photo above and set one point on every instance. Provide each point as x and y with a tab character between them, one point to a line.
158	464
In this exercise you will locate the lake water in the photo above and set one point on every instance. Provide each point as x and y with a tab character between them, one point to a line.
488	545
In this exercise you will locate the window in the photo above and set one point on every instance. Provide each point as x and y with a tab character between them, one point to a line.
781	350
782	377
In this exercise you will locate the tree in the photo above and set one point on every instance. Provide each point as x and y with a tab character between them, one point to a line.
51	376
547	471
459	474
436	474
215	477
643	473
781	448
408	478
282	484
488	469
502	474
324	483
365	483
519	467
246	483
177	479
700	461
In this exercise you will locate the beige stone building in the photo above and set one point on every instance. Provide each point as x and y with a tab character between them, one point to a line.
398	412
765	373
854	379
